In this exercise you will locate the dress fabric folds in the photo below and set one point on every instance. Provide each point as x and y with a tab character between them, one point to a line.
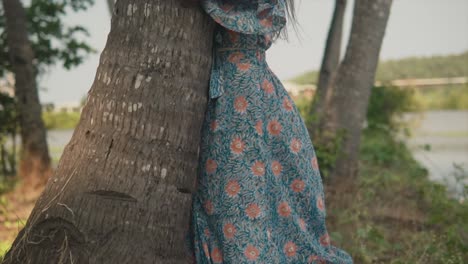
259	196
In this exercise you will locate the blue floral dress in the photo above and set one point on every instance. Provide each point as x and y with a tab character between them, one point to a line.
259	195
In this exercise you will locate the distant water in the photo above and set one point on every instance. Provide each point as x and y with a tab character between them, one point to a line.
446	134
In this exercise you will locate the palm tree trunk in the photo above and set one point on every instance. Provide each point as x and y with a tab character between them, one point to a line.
354	80
330	63
123	187
35	163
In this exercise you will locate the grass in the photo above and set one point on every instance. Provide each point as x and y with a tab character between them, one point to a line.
442	98
398	215
4	247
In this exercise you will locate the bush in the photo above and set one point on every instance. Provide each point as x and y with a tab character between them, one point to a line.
61	120
397	214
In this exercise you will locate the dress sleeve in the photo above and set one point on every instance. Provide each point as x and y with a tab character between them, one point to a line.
248	16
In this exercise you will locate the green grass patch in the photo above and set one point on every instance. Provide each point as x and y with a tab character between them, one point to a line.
61	120
4	247
396	215
442	98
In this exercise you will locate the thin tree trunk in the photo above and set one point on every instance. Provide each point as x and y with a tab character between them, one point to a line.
123	187
35	163
110	5
354	80
330	63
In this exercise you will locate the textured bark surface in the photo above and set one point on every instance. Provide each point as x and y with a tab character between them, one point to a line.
330	63
354	80
35	163
123	187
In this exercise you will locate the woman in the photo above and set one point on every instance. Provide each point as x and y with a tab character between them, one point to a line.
259	192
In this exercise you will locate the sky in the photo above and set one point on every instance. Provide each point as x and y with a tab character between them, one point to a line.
415	28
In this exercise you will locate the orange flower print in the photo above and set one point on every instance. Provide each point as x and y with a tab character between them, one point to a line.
206	250
232	188
216	255
267	22
325	239
267	86
314	163
235	57
258	168
243	66
295	145
298	185
320	203
237	145
302	224
287	105
211	166
284	209
290	249
240	104
209	207
253	211
276	167
214	125
229	230
251	252
274	127
259	127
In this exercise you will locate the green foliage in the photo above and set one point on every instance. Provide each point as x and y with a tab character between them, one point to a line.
397	215
4	247
442	98
8	114
61	120
424	67
386	106
310	77
52	40
326	150
8	129
414	67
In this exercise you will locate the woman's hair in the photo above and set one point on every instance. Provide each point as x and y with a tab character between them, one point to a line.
292	19
290	11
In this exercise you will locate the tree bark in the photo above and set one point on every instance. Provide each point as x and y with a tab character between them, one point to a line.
330	63
123	187
354	80
35	162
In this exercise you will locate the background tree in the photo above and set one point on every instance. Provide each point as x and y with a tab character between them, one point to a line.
8	130
110	4
35	164
330	63
31	40
355	77
123	187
